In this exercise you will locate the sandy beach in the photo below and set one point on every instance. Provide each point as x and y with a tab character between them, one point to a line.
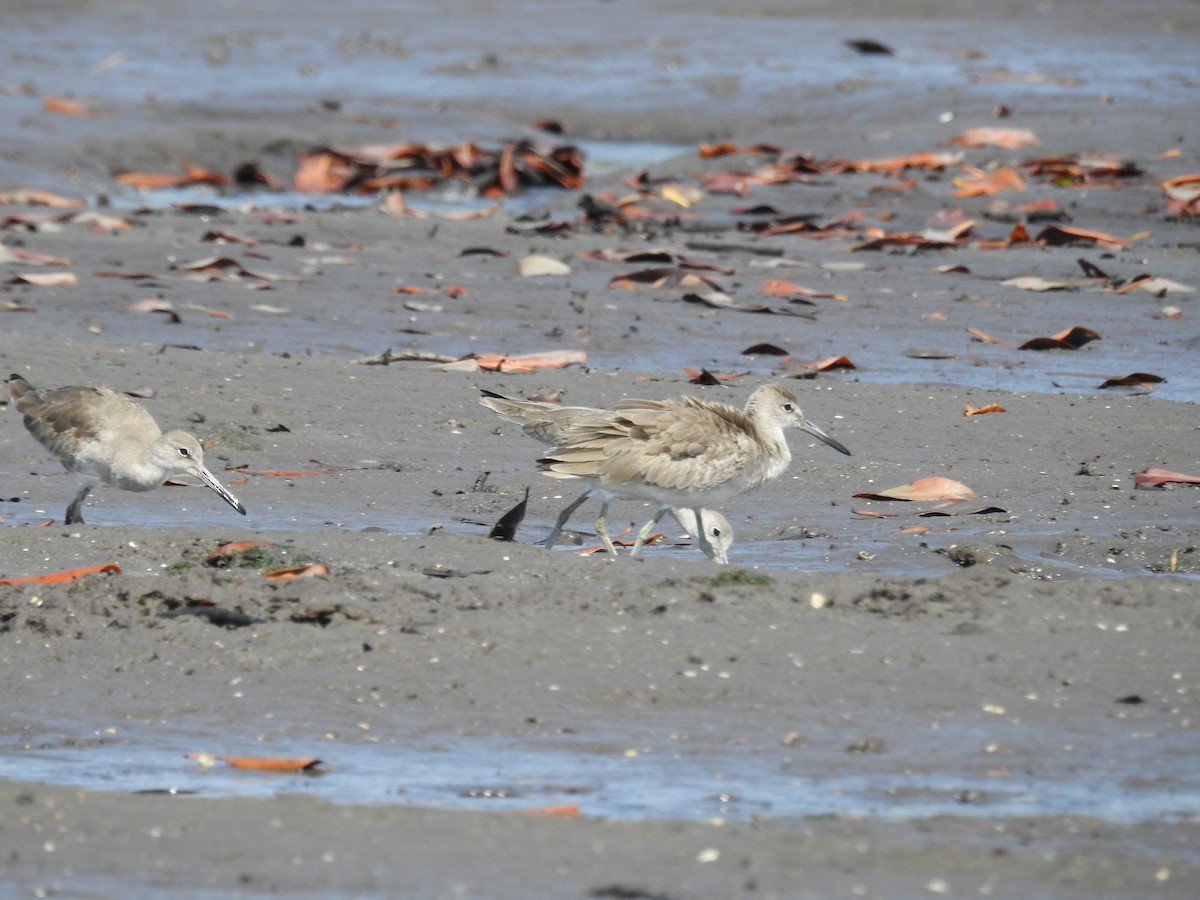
994	697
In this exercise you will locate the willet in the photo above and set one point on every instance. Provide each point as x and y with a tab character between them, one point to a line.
546	422
685	453
105	438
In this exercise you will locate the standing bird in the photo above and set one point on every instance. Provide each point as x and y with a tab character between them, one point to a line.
547	422
106	438
686	453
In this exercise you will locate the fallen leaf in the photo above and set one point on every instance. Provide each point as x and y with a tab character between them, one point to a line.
970	410
765	350
1037	283
777	287
535	265
1136	380
505	528
64	107
304	571
1155	475
933	161
810	369
153	305
982	336
64	576
681	195
934	487
231	549
985	136
498	362
980	183
1155	286
1058	235
259	763
869	47
46	279
658	278
1071	339
34	197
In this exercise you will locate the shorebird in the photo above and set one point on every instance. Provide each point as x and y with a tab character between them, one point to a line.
105	438
686	453
547	422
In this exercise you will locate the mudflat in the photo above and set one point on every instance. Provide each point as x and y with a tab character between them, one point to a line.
875	698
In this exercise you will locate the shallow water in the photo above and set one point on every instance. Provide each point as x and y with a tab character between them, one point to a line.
1111	774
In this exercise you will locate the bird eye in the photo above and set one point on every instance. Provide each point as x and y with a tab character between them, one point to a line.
789	407
716	531
183	451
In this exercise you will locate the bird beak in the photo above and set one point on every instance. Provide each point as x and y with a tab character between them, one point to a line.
207	477
818	433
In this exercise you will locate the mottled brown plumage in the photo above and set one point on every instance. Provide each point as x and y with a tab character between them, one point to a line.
105	438
547	422
685	453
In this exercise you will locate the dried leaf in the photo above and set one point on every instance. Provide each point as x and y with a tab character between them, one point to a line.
777	287
64	107
1058	235
1155	475
969	410
535	265
64	576
498	362
985	136
304	571
258	763
227	551
46	279
934	487
1037	283
681	195
980	183
506	528
1136	380
34	197
568	811
765	350
1071	339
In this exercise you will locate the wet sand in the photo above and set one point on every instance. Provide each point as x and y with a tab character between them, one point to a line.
1024	670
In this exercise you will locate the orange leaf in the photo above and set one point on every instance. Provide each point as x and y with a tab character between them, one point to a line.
569	811
1008	138
970	410
298	572
65	107
34	197
259	763
926	160
934	487
64	577
1154	475
983	183
551	359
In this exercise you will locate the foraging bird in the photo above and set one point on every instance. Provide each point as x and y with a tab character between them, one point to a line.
686	453
546	422
105	438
